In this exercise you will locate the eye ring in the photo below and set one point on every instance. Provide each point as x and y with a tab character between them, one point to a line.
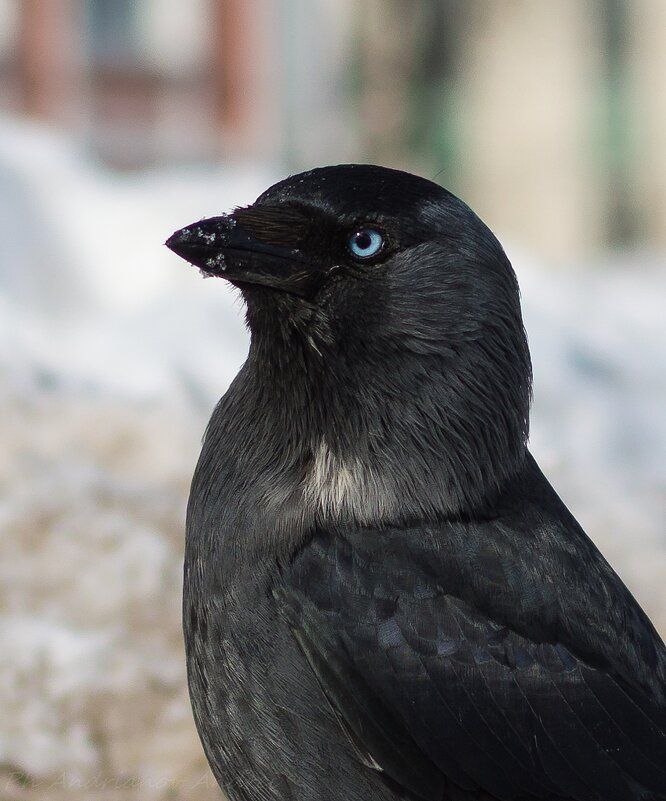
365	243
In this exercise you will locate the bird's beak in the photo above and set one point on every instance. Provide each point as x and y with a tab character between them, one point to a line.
221	246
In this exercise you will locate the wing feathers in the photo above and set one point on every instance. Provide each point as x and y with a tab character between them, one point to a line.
442	696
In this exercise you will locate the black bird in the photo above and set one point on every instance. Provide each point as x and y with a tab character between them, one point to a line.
384	597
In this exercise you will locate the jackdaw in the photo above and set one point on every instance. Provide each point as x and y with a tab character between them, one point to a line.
384	597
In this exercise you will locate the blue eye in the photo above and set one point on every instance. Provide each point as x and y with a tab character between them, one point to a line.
365	242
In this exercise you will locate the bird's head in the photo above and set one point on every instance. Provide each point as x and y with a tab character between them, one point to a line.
385	288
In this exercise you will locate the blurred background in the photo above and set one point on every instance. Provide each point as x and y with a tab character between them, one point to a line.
122	120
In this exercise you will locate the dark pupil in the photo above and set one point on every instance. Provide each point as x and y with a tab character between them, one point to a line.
363	240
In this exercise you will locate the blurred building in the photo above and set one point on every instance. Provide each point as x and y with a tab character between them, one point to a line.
142	83
549	118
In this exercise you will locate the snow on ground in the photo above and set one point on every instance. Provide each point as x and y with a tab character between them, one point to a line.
112	354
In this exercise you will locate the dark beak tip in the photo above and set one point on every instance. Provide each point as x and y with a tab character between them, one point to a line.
180	243
173	241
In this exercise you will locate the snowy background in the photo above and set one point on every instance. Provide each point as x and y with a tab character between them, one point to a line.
112	355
